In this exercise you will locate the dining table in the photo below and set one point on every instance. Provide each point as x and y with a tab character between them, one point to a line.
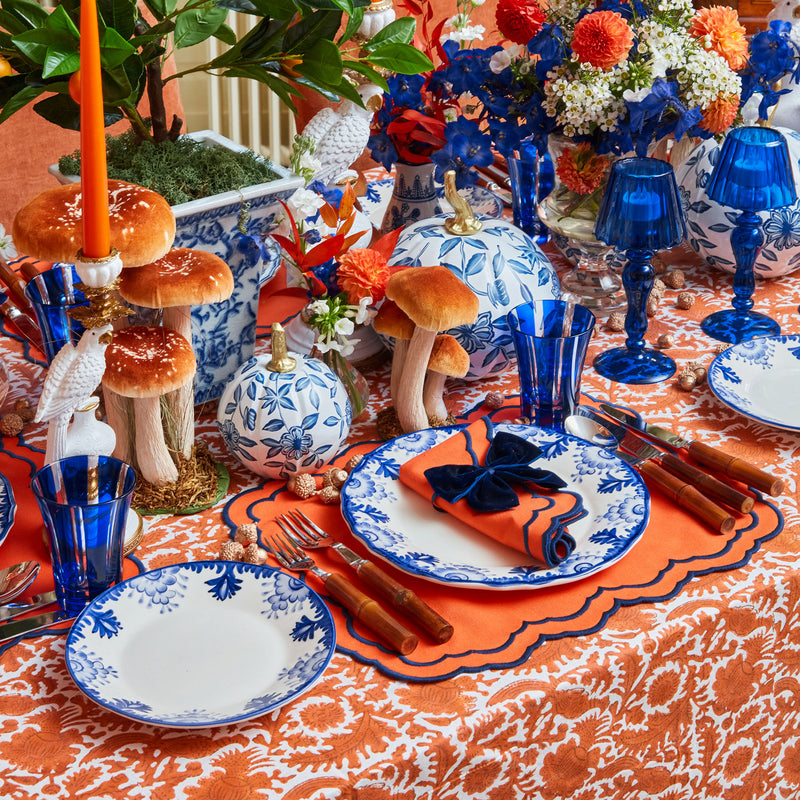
672	673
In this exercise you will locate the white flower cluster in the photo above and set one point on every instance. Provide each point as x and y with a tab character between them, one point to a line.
584	100
463	31
7	249
706	76
335	321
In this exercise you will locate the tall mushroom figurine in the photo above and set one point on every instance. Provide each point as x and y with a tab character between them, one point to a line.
435	300
394	323
174	283
145	362
448	359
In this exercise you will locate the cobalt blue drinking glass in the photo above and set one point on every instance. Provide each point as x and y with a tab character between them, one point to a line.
52	295
549	359
84	501
640	213
524	167
753	173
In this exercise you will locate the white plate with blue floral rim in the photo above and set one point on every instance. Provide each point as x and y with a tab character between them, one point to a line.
201	644
399	525
483	202
758	378
8	507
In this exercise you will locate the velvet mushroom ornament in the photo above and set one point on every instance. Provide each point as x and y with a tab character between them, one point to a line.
448	360
181	279
435	300
145	362
50	226
392	322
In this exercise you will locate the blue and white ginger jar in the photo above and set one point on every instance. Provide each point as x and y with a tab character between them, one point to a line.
709	224
501	264
282	423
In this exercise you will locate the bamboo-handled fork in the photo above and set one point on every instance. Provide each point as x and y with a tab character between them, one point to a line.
368	611
310	535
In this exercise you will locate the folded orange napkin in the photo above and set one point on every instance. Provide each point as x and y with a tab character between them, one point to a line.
484	478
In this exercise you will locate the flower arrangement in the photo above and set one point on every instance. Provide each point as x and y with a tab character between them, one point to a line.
617	76
342	282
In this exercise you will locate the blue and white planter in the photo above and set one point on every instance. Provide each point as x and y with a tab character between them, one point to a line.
279	424
501	264
224	334
709	224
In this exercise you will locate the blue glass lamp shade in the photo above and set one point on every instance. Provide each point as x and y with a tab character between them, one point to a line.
753	173
641	212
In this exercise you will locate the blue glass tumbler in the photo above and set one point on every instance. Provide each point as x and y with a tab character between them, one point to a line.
84	501
525	173
549	360
52	295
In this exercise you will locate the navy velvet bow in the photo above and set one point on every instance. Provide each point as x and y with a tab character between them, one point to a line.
489	487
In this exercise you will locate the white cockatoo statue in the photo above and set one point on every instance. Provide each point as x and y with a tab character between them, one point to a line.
341	134
74	374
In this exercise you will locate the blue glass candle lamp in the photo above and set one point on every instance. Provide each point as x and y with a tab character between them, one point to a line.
753	174
640	213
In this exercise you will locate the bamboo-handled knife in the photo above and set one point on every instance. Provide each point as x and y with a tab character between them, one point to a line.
710	457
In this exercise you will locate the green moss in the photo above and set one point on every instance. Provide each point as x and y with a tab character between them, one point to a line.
179	171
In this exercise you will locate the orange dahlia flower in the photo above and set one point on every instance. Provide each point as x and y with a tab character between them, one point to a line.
580	169
720	30
363	273
719	114
602	39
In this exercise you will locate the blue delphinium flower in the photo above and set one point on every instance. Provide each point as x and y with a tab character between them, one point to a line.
467	146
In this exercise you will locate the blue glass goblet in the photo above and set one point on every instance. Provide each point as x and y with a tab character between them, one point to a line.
753	174
640	213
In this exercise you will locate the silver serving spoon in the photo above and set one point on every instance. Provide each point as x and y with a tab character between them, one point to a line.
16	579
590	431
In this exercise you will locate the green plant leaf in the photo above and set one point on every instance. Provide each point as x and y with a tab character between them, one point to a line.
368	72
263	41
196	25
281	87
60	61
401	31
20	100
309	31
20	15
353	24
161	8
226	35
121	15
59	22
114	50
322	63
328	94
9	86
33	44
402	58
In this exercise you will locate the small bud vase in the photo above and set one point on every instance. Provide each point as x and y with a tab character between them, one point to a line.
413	197
354	382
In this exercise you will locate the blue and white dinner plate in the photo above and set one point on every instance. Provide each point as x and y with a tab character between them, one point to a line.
201	644
483	202
399	525
8	507
759	379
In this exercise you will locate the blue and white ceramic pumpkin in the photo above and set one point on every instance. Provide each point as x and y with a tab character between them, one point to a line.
282	423
709	224
500	263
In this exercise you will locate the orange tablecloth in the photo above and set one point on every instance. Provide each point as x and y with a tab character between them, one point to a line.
688	697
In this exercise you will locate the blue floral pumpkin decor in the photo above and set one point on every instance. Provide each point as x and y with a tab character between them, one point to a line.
502	265
284	414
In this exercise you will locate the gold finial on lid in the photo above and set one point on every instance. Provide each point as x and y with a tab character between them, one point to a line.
464	223
281	360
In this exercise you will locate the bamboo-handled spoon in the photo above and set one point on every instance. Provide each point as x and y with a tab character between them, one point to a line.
16	579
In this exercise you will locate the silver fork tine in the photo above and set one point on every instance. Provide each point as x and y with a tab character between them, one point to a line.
293	551
310	527
295	529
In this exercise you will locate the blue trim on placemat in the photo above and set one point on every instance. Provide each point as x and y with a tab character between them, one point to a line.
619	603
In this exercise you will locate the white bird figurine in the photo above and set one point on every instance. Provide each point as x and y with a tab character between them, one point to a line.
785	114
341	134
73	376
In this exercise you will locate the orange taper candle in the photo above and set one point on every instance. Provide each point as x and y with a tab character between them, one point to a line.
94	174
